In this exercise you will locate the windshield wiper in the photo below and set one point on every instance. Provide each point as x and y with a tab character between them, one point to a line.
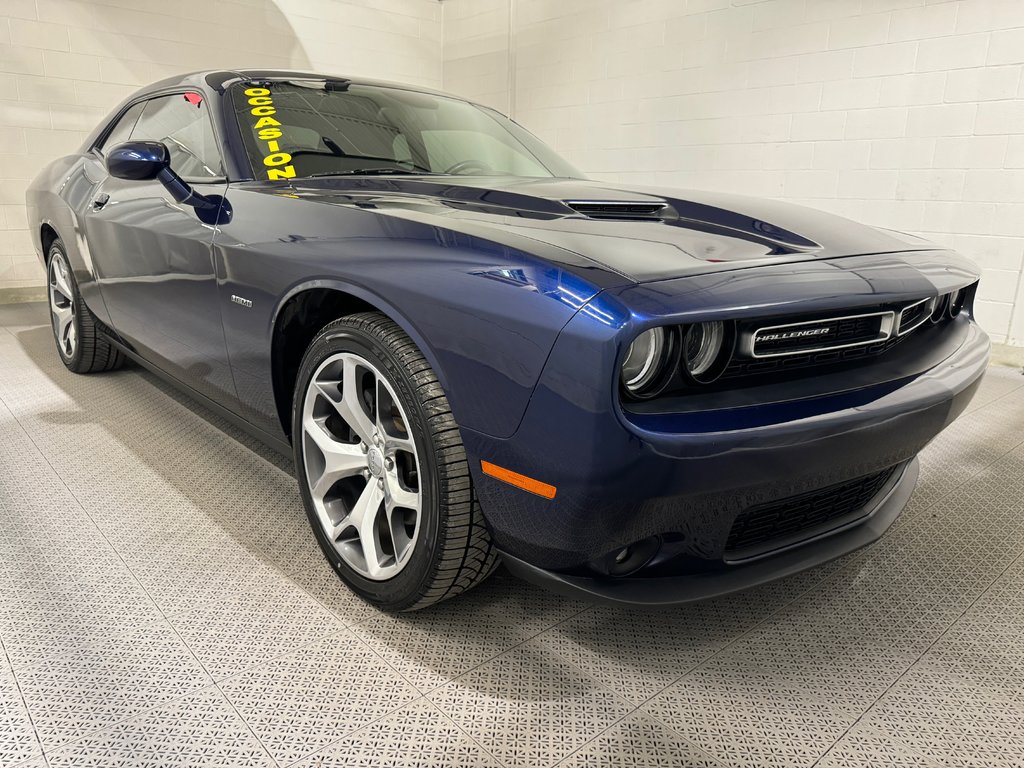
374	172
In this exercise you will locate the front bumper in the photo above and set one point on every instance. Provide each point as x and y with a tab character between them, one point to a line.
686	588
620	483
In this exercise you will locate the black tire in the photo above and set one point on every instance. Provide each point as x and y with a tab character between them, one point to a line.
453	551
91	352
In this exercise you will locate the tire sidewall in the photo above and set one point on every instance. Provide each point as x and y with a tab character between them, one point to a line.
57	247
404	588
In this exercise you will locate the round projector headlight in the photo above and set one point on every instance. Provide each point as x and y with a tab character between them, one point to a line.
702	347
644	360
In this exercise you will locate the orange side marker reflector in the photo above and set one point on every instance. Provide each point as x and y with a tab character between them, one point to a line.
519	481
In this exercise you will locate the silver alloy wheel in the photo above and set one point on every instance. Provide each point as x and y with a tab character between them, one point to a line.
361	466
62	305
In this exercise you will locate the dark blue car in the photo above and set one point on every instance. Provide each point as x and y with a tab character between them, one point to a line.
476	355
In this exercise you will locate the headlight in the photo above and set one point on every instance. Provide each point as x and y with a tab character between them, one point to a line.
956	302
702	351
939	310
644	361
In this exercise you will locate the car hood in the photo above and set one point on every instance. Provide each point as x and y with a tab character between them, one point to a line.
642	233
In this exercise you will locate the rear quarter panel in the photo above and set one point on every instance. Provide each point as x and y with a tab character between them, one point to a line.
56	198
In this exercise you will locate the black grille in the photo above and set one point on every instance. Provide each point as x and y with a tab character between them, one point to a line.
745	366
758	528
810	336
619	210
913	316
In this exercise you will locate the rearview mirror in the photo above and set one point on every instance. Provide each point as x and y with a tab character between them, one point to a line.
148	160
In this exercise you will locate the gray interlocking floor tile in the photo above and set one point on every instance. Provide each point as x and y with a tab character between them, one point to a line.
17	736
198	730
528	707
640	742
250	498
88	688
35	762
234	637
638	652
323	584
431	647
126	554
756	714
865	748
417	736
300	703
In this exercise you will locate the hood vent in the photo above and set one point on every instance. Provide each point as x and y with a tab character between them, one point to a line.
616	209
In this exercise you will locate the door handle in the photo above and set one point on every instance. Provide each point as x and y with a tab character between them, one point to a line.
100	200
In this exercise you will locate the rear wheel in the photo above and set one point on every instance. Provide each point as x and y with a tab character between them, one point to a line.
382	469
80	345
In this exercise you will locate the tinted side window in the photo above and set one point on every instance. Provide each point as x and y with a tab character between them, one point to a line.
122	129
184	126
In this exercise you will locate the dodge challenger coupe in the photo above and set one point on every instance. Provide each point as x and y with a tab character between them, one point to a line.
477	355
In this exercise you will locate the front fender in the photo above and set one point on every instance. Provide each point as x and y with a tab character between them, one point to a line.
484	314
378	302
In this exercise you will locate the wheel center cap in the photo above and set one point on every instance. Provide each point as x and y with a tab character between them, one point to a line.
375	460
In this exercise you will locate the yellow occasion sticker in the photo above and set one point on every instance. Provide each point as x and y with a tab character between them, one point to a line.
277	163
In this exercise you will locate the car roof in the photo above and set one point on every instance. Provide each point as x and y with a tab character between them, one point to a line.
219	79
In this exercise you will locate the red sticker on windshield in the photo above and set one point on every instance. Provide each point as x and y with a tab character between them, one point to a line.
194	98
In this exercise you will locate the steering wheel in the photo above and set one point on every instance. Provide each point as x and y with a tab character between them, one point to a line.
468	165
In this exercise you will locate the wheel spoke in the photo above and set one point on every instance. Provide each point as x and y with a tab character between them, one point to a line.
364	519
65	326
72	338
392	443
350	408
61	279
341	460
397	496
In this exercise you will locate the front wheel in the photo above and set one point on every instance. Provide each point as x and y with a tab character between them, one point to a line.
382	469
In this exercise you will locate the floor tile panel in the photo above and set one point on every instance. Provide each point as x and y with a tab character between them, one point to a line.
302	702
863	748
999	381
417	736
18	741
162	602
639	652
233	638
197	730
640	742
74	694
528	707
431	647
136	419
323	585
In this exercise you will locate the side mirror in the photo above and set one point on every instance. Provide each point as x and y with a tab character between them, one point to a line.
138	160
148	160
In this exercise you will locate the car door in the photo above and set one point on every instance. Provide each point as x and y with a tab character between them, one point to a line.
153	256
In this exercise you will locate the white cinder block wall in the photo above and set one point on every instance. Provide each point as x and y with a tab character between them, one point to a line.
65	63
902	113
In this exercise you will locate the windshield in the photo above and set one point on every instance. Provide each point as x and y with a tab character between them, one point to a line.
307	128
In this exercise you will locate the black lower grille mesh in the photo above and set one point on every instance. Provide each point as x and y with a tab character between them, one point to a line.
758	527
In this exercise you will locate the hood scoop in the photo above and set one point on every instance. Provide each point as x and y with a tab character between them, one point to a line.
622	210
